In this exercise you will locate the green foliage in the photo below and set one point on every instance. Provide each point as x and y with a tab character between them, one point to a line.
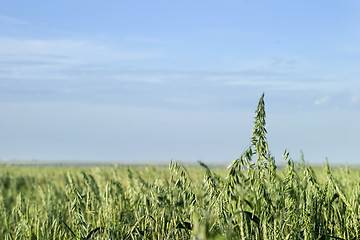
253	199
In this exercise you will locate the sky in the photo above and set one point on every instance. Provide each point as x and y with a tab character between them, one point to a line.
154	81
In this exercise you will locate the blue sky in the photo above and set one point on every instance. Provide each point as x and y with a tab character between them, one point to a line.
160	80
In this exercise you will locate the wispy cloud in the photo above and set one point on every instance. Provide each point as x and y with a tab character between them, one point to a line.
82	70
43	70
144	39
283	61
71	48
11	20
355	99
67	59
277	64
322	100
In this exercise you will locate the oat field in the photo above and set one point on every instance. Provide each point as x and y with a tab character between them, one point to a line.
252	199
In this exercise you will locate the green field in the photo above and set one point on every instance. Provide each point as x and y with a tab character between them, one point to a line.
252	199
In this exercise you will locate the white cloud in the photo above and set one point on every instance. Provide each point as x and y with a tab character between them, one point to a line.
352	49
257	83
143	39
322	100
67	59
181	100
274	64
355	99
80	50
11	20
